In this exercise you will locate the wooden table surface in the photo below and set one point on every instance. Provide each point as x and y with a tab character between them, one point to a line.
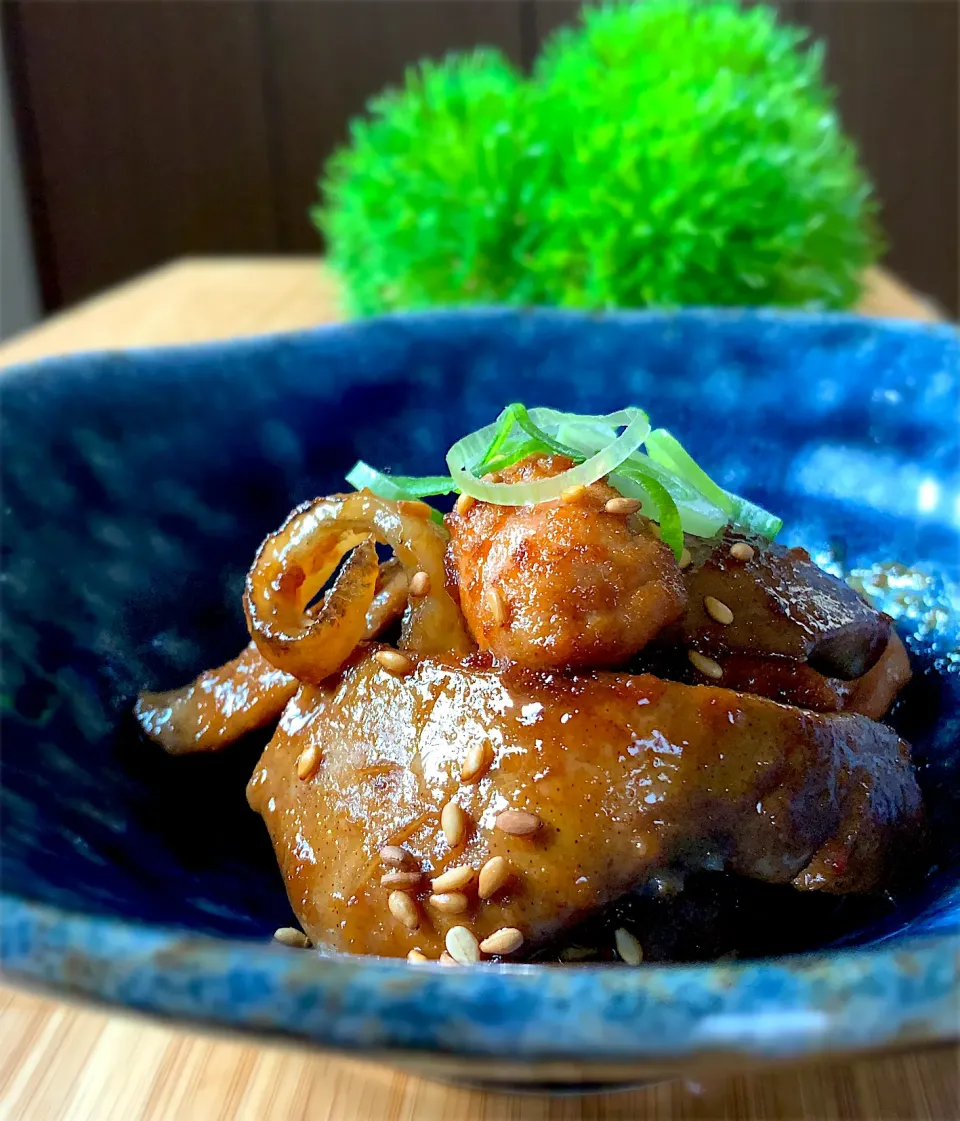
64	1063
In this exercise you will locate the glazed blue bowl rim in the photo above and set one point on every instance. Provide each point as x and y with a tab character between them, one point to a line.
882	996
769	1008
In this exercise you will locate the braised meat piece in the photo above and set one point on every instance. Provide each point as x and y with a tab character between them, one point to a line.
563	584
219	707
782	605
225	703
578	788
799	684
874	693
793	683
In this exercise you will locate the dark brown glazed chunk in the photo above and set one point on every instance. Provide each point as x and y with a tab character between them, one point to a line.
227	702
219	707
798	684
563	584
782	604
624	774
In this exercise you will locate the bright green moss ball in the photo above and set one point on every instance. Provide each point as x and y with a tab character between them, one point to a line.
671	152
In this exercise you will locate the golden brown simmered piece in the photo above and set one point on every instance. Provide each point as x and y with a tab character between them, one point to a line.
874	692
799	684
794	683
562	584
295	563
613	776
227	702
782	605
219	707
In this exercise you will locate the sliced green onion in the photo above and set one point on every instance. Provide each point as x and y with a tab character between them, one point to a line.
698	516
667	450
585	434
397	488
666	479
527	424
512	454
750	516
668	515
473	448
496	455
503	426
632	484
400	488
681	503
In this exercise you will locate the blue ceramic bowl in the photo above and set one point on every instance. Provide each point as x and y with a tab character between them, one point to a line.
136	487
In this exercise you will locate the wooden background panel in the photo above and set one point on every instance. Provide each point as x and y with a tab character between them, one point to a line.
325	60
894	64
145	135
548	15
152	129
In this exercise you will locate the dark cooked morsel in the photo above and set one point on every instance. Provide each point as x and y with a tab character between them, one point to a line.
783	606
793	683
227	702
799	684
218	707
626	774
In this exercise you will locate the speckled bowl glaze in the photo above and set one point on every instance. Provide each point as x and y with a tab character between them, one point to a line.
136	487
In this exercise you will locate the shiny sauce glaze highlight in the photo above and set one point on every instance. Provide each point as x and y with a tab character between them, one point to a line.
628	774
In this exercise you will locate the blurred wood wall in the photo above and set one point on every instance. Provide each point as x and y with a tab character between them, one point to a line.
150	129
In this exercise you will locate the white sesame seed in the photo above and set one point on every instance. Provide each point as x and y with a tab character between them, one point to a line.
394	662
449	902
707	666
394	856
308	763
416	957
454	878
741	551
622	506
405	881
717	610
290	936
493	875
462	945
518	823
453	822
420	584
465	503
403	909
571	495
685	559
446	959
628	947
476	763
494	604
506	940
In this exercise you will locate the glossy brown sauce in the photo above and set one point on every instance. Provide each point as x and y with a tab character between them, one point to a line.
637	778
629	774
219	707
783	606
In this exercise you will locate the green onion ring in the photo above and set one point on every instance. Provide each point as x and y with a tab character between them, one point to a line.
474	447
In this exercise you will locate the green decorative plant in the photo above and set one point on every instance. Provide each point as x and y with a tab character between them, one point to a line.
665	153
